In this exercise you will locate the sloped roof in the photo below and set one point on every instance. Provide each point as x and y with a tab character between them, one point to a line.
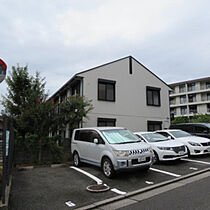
79	73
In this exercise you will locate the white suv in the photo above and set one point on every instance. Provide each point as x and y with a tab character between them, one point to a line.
111	148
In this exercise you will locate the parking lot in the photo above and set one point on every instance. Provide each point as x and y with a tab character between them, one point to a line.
65	187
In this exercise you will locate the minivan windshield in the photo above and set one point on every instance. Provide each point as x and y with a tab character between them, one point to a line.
180	134
154	137
120	136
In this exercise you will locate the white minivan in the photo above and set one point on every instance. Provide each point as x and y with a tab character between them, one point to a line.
111	148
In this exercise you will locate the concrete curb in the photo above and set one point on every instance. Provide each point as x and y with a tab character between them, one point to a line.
25	168
31	167
146	189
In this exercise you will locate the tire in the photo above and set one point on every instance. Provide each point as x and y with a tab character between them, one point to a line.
155	158
108	168
76	159
188	152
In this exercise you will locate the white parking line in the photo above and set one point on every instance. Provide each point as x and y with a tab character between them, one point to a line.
196	161
165	172
118	191
70	204
99	181
147	182
192	168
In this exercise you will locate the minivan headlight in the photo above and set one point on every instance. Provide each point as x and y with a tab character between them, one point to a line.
194	143
121	153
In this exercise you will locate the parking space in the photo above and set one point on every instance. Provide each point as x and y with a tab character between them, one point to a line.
48	188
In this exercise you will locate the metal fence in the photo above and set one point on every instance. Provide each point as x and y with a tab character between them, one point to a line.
7	153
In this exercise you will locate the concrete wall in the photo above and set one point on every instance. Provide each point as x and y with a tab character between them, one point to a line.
130	108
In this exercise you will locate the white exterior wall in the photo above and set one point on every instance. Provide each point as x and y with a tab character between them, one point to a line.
130	107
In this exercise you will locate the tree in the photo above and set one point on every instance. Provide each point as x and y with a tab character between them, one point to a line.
19	86
26	97
34	115
73	110
26	102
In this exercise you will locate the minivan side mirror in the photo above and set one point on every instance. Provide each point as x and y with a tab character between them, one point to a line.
169	137
95	141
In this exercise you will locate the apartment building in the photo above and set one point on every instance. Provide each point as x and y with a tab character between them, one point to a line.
124	93
190	97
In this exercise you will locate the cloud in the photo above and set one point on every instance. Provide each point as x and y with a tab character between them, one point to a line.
130	21
60	38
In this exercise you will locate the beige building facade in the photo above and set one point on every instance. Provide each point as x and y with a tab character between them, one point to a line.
124	93
190	97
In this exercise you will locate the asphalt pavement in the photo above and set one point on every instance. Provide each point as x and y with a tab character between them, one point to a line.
192	196
65	188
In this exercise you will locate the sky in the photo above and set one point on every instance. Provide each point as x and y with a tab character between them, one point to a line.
59	38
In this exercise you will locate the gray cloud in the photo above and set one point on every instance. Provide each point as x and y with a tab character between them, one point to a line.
60	38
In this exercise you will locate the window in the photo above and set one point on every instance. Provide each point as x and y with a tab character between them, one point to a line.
171	91
88	136
201	129
83	135
182	88
191	87
172	101
154	125
183	99
106	90
153	96
167	135
192	98
95	135
208	107
75	89
207	85
193	109
106	122
208	96
183	110
173	111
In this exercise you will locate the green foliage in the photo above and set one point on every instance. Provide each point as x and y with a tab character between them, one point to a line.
180	120
202	118
34	116
19	85
73	110
26	102
51	151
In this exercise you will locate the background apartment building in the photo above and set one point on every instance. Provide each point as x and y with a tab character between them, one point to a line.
190	97
124	93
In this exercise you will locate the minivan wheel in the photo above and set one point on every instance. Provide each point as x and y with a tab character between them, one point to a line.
76	159
107	168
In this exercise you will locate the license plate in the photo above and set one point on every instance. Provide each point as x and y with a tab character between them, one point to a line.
141	159
181	152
